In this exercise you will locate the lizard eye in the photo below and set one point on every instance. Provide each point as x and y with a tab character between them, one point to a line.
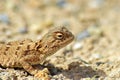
59	35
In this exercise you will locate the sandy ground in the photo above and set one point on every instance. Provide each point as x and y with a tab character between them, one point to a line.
94	54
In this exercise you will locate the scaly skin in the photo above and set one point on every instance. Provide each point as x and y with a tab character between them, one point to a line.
26	53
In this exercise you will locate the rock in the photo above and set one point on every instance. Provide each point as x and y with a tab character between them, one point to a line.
23	30
77	45
4	18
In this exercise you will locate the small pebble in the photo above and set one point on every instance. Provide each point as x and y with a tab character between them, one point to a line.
47	23
23	30
35	28
77	45
83	35
8	33
61	3
96	3
94	30
4	18
96	55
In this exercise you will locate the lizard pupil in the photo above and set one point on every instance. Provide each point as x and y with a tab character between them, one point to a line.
59	35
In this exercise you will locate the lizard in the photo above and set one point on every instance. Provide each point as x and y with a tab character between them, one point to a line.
27	53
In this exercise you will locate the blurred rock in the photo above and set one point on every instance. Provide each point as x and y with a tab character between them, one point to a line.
35	28
23	30
94	30
95	3
77	45
61	3
4	18
83	35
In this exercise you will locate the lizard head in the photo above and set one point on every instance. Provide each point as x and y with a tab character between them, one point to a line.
56	38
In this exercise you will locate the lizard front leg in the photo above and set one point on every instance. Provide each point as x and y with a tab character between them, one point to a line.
42	74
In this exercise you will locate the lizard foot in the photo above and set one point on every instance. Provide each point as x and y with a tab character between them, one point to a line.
43	75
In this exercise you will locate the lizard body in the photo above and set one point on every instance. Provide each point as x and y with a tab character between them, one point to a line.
26	53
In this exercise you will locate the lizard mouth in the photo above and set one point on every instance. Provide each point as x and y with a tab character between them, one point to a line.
69	40
64	43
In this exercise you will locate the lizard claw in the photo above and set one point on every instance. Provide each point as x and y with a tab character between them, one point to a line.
43	75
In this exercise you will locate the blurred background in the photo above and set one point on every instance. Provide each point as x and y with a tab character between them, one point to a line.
95	24
32	17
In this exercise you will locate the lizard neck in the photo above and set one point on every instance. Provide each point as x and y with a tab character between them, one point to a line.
45	48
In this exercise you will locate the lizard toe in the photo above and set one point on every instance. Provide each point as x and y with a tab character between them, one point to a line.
43	75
